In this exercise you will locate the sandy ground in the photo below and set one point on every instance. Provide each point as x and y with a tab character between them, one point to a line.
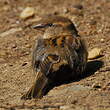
90	92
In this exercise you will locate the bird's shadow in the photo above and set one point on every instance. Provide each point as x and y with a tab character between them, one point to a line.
91	68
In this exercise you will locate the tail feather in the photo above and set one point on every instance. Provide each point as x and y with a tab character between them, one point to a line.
38	88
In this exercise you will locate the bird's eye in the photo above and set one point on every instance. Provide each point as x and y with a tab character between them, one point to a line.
50	24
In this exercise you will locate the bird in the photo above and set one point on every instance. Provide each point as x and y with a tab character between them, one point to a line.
59	54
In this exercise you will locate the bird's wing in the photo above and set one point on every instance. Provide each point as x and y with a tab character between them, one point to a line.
71	56
42	59
46	63
77	53
71	48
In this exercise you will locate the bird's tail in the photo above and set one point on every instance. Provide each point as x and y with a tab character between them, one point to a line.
38	88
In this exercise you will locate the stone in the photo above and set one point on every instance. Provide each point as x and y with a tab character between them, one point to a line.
11	31
27	12
95	53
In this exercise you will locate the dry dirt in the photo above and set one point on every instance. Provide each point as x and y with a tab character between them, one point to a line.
90	92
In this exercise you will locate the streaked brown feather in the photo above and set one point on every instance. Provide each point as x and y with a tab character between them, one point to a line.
59	51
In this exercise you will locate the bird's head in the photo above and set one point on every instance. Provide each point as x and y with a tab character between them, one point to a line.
56	25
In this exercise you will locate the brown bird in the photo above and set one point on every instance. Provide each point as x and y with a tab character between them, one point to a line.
58	55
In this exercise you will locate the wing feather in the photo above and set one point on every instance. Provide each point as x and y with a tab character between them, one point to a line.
43	60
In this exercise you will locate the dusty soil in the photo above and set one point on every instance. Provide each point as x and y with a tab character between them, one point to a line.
90	92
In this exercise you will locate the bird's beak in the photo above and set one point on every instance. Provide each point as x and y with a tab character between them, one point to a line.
39	26
43	25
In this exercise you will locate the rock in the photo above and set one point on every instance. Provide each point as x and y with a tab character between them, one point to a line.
102	108
78	6
22	109
27	12
94	53
24	64
53	109
72	107
72	88
11	31
6	8
96	85
65	10
66	107
81	108
78	88
92	22
102	40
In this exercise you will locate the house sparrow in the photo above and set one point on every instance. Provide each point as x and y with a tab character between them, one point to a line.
58	55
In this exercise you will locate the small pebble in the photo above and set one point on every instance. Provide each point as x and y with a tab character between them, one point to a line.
6	8
24	64
94	53
27	12
78	6
65	10
96	85
10	31
102	40
92	22
66	107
